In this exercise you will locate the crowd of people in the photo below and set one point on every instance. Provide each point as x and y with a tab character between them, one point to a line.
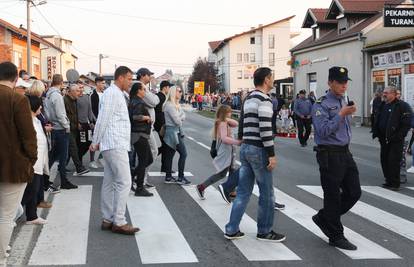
131	126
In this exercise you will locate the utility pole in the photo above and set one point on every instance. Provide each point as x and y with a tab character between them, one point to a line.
101	56
29	39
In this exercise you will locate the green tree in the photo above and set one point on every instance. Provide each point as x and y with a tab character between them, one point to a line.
204	71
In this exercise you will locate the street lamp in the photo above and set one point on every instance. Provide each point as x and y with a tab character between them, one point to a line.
29	33
101	56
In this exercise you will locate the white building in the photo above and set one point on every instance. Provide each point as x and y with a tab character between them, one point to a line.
237	57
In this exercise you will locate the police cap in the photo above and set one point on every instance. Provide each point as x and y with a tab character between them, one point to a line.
339	74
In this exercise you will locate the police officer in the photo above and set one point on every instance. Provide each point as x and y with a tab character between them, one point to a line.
331	117
303	111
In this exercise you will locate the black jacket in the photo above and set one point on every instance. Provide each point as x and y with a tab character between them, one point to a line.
398	125
95	103
137	109
159	114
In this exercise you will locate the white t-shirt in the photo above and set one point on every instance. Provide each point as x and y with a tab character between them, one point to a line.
42	164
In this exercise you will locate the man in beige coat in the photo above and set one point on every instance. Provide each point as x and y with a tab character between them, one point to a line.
18	151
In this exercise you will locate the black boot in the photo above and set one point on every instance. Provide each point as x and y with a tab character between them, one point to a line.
142	192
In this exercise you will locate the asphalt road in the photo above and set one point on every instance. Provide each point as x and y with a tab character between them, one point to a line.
180	230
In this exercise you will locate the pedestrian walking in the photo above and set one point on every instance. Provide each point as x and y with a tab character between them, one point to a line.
18	152
303	111
174	137
200	102
258	159
331	117
224	161
112	137
56	112
41	166
391	125
151	100
95	100
159	124
70	101
284	116
141	130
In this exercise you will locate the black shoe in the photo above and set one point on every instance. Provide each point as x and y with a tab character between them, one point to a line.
53	190
68	186
148	185
279	206
170	180
183	181
224	194
82	171
394	188
386	185
318	221
142	192
271	237
343	243
403	181
238	235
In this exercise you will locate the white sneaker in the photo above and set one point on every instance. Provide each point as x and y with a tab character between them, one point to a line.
38	221
93	165
411	170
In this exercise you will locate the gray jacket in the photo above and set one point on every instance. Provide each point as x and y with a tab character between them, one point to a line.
151	100
55	110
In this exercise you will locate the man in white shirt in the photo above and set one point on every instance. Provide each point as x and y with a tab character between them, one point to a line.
112	137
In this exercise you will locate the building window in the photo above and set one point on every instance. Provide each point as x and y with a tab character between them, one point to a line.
35	65
239	74
271	41
239	57
246	57
316	33
17	59
271	59
252	40
246	75
252	57
312	81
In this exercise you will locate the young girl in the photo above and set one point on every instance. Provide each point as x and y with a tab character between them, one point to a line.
41	166
174	137
284	115
223	162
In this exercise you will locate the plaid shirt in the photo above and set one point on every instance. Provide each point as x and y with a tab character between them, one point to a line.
113	128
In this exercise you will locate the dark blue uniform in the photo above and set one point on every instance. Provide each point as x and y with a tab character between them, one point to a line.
339	173
303	108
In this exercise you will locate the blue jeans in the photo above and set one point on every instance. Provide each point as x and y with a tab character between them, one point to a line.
254	161
232	181
60	150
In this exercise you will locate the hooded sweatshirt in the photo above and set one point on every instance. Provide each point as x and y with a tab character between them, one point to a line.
55	110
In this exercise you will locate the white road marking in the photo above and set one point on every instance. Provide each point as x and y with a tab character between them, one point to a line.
385	219
302	214
64	239
390	195
92	174
411	188
250	247
160	240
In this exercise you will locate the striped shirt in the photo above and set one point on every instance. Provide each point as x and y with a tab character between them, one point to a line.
256	121
113	128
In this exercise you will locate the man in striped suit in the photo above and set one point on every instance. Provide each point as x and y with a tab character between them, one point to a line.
258	159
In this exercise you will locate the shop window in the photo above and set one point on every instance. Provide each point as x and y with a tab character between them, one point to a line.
312	82
378	80
394	78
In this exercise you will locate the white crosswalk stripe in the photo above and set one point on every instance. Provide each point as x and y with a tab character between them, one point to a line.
151	174
385	219
250	247
302	214
390	195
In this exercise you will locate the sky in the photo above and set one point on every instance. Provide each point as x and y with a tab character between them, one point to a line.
157	34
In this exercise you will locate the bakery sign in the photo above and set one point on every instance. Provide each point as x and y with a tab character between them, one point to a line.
398	17
51	67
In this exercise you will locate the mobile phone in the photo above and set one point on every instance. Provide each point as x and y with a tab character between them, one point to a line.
351	103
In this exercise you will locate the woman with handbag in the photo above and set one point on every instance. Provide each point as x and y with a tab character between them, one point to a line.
174	136
224	160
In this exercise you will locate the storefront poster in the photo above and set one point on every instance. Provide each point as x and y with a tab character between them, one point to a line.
409	89
393	58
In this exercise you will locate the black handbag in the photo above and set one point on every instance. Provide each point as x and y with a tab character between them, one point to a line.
213	149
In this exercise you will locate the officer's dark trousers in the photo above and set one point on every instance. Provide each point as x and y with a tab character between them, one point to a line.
304	129
391	155
340	184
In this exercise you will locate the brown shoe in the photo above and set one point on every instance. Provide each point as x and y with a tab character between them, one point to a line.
44	205
106	226
125	229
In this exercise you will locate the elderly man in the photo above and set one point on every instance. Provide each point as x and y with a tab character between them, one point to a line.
18	152
112	137
72	112
391	125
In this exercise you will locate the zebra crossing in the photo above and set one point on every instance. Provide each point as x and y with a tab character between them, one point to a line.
162	241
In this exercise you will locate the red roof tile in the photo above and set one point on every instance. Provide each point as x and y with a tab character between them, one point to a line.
214	44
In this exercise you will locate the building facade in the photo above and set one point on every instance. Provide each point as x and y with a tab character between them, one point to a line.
351	34
237	57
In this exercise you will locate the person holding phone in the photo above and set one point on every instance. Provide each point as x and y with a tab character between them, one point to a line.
331	116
